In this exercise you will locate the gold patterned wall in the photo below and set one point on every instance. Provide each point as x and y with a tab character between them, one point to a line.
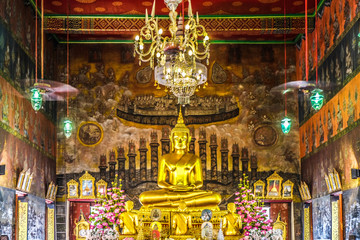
307	232
22	220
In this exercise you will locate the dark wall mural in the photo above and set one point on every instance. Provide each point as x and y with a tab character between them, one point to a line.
352	213
238	105
7	212
321	214
36	218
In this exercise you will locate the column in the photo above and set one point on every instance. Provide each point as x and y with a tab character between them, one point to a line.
112	165
154	147
121	163
192	142
213	156
224	161
236	165
165	141
103	167
245	161
202	149
143	159
132	163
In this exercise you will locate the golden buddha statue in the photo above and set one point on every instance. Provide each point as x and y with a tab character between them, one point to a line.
129	220
231	221
181	221
180	176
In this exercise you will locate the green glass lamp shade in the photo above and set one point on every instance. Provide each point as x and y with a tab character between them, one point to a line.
36	99
286	125
68	127
317	99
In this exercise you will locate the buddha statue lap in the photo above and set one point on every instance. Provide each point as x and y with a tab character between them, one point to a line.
180	176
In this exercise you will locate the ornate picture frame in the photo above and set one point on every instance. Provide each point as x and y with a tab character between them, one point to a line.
332	180
28	185
306	191
87	186
337	180
48	193
301	192
274	183
328	184
73	189
20	180
53	193
25	181
101	187
90	133
288	187
259	189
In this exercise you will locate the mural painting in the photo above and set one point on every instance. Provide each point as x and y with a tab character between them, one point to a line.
36	218
322	218
112	86
352	213
7	208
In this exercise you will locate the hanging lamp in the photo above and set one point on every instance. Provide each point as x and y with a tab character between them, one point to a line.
68	124
36	95
285	122
317	95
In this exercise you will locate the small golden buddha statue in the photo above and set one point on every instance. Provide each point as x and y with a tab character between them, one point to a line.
231	221
180	176
181	221
129	220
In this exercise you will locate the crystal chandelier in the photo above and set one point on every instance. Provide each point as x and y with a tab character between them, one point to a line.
176	58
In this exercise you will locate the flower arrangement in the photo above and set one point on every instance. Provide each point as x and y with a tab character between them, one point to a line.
249	207
109	206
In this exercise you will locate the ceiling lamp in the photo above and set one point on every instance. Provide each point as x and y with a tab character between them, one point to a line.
36	99
317	99
175	58
286	125
68	127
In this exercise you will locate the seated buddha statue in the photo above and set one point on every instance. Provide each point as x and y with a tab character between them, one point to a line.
180	176
231	221
129	220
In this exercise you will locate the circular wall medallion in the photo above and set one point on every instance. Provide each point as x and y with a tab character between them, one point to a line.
265	136
90	133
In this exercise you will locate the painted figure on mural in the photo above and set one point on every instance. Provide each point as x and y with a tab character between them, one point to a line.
99	76
7	60
350	110
5	110
339	118
321	130
17	118
338	75
329	124
26	125
348	60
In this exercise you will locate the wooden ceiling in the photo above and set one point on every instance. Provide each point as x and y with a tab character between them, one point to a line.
226	21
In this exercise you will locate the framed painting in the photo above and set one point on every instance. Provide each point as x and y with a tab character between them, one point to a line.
48	193
301	192
73	189
288	189
259	189
274	186
26	179
28	185
337	180
101	187
306	191
53	192
332	181
87	188
328	185
20	180
90	133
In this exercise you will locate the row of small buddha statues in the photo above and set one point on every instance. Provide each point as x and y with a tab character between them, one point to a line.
181	221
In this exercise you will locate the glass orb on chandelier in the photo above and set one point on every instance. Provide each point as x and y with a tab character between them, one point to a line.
176	58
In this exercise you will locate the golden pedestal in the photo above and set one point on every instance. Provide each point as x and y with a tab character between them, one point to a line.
128	236
237	237
181	237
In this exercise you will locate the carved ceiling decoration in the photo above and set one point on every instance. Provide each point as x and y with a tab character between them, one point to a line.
151	110
230	20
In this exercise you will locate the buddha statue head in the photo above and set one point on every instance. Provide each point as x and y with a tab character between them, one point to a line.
231	207
180	135
129	205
